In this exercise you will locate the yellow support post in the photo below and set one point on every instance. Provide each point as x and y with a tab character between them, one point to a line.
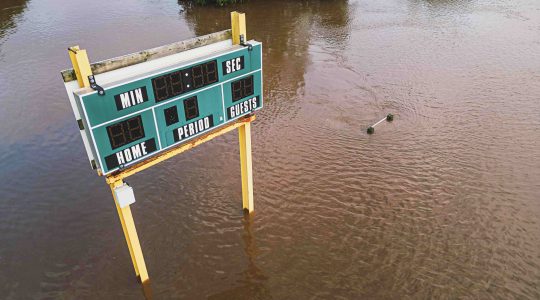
81	66
130	233
238	27
244	136
133	243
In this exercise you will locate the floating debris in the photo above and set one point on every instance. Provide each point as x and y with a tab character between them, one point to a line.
371	129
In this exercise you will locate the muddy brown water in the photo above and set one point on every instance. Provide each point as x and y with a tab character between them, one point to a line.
442	203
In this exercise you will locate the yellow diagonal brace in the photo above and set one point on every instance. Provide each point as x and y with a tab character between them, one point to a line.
169	153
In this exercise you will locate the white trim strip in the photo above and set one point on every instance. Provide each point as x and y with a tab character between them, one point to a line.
157	131
179	66
223	103
93	140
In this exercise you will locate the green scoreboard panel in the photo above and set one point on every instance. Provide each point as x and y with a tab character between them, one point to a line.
141	115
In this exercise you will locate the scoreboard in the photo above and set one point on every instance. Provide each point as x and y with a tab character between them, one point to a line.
153	107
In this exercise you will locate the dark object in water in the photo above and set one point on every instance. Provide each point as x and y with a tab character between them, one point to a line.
371	129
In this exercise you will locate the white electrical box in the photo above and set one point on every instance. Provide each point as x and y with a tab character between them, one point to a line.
124	195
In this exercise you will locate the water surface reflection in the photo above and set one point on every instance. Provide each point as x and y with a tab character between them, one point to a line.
440	203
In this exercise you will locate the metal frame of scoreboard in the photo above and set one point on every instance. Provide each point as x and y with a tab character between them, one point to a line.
119	104
142	115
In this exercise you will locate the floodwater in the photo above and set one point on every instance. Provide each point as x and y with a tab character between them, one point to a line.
444	202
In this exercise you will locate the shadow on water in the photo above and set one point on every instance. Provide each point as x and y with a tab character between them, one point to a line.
9	11
147	290
253	284
440	6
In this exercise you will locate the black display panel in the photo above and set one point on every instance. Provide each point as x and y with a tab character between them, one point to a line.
125	132
171	115
242	88
191	108
179	82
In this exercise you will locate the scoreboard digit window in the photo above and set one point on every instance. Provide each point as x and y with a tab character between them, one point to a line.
183	81
168	101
